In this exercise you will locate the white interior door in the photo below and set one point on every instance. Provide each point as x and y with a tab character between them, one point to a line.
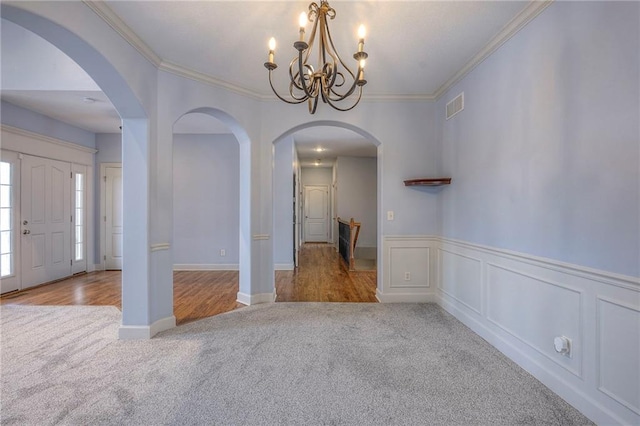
45	219
316	213
113	218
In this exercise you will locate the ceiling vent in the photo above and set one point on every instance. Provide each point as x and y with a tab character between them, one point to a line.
455	105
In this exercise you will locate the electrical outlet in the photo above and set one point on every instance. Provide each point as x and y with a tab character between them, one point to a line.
407	276
223	252
390	215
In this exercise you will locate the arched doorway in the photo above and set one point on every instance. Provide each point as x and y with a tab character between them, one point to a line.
137	312
206	217
315	150
229	131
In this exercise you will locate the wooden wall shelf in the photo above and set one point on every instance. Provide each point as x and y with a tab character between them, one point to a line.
428	182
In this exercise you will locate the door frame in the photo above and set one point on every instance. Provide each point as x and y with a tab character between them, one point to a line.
304	210
15	159
21	141
103	211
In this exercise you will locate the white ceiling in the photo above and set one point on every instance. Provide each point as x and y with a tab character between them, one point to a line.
416	48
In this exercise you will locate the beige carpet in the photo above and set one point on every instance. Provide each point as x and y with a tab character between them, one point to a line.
270	364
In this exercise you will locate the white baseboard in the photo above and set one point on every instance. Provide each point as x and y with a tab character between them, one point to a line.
405	297
497	292
95	267
254	299
284	266
206	267
146	332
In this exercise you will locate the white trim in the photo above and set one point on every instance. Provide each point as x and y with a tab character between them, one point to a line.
44	138
103	212
114	21
206	267
573	378
509	30
284	267
254	299
160	246
405	297
146	332
605	277
185	72
574	396
516	24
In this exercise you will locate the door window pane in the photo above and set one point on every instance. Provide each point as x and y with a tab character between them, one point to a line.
5	196
79	216
6	222
5	173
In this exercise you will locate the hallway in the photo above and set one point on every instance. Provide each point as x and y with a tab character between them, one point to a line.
200	294
322	277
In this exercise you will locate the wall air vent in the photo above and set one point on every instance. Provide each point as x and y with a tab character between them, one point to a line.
455	105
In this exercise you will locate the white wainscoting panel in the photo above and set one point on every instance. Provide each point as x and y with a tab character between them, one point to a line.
519	303
619	352
536	311
413	255
461	278
409	267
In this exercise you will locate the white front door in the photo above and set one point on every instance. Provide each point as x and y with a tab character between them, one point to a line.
45	220
113	218
316	213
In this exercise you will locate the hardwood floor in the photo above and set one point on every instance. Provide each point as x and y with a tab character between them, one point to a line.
321	277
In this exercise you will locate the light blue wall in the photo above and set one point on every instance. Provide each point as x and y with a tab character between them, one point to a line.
206	204
283	202
23	118
356	198
316	176
545	156
31	63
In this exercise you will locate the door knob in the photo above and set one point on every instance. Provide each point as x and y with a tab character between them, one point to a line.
26	232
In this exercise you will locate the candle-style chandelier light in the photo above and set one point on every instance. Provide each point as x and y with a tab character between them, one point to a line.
330	80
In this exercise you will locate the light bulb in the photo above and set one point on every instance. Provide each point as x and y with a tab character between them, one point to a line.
362	63
302	20
272	44
362	31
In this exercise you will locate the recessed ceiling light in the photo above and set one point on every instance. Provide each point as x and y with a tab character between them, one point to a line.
319	149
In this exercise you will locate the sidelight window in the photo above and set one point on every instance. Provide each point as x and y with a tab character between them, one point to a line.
6	220
79	184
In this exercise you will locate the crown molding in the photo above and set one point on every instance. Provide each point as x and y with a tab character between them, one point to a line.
44	138
181	71
533	9
113	20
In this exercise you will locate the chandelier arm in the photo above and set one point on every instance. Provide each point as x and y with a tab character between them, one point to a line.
294	77
339	59
330	102
292	87
298	101
346	95
312	110
302	79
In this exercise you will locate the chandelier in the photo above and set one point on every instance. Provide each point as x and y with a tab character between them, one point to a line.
330	79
